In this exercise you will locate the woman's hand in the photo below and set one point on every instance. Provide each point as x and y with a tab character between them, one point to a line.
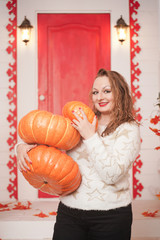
85	128
22	155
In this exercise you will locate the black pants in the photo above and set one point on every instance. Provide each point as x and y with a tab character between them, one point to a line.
74	224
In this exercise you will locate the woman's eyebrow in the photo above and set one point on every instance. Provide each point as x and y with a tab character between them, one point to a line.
107	86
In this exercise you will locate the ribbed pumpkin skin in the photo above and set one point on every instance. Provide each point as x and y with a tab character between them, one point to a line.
43	127
74	106
52	171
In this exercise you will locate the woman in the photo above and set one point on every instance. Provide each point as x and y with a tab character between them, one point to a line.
101	207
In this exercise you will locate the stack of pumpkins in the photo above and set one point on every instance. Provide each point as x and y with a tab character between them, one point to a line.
52	170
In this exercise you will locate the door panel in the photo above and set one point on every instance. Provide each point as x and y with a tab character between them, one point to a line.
73	80
71	49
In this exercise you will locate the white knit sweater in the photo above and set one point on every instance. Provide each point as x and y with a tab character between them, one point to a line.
104	163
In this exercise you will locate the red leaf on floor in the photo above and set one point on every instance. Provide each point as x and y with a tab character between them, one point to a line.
4	205
53	213
157	148
150	214
158	195
20	206
5	209
41	214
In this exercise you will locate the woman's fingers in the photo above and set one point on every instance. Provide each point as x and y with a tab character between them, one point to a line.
26	157
77	116
74	122
23	166
22	163
83	115
30	146
22	156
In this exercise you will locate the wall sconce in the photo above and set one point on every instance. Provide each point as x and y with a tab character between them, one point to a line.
121	28
25	28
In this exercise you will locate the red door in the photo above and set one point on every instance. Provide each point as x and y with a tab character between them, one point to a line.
71	49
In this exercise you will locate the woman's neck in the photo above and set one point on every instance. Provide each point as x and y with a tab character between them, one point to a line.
104	119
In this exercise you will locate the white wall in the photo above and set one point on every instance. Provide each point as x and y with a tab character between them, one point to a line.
150	87
120	61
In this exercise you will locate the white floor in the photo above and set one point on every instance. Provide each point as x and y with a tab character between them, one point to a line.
23	225
146	227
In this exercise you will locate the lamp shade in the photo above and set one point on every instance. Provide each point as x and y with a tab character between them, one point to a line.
121	27
25	28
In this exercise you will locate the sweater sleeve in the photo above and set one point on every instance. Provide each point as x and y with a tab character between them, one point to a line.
113	158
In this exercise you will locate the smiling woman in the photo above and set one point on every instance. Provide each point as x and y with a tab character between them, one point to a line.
104	157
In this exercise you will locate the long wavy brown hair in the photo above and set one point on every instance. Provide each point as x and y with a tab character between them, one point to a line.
123	110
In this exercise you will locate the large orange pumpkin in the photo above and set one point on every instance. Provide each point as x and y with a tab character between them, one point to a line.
43	127
52	171
69	107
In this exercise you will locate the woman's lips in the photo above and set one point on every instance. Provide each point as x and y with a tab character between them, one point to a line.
103	104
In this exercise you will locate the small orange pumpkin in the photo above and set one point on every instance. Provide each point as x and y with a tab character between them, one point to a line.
43	127
52	171
74	106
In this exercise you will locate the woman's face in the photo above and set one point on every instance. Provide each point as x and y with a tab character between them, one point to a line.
102	95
